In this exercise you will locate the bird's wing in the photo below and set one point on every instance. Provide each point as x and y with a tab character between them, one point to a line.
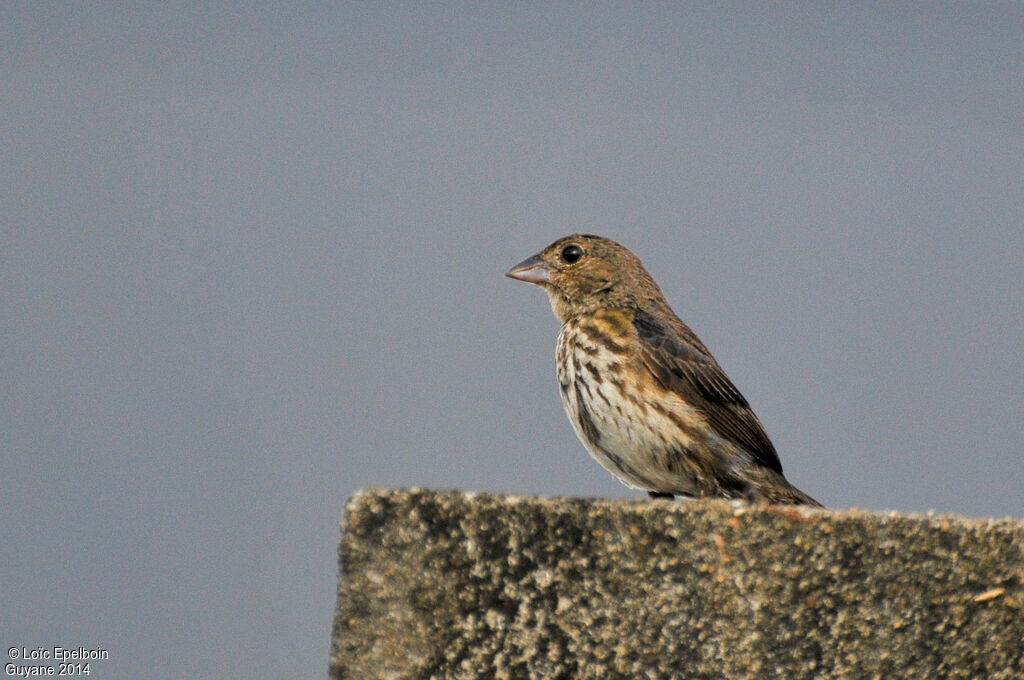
683	365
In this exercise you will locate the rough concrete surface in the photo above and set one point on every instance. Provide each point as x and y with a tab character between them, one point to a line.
460	585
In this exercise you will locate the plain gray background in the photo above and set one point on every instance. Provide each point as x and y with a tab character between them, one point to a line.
253	261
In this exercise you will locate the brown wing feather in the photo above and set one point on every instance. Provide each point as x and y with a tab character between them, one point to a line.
683	365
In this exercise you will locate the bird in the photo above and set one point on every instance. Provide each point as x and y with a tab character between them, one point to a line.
645	396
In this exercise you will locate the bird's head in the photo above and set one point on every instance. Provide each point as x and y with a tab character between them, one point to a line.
582	273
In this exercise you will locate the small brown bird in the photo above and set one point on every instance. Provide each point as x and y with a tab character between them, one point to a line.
643	393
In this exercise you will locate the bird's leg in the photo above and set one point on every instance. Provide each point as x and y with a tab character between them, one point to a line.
659	494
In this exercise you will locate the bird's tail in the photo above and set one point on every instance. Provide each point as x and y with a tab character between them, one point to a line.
768	486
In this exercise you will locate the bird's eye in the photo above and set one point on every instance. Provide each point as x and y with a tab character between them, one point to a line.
572	253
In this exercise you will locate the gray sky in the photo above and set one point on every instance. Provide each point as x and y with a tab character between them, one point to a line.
253	261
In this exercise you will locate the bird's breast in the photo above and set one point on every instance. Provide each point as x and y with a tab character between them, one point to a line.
623	416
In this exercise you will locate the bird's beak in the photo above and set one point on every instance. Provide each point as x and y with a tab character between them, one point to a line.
531	270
